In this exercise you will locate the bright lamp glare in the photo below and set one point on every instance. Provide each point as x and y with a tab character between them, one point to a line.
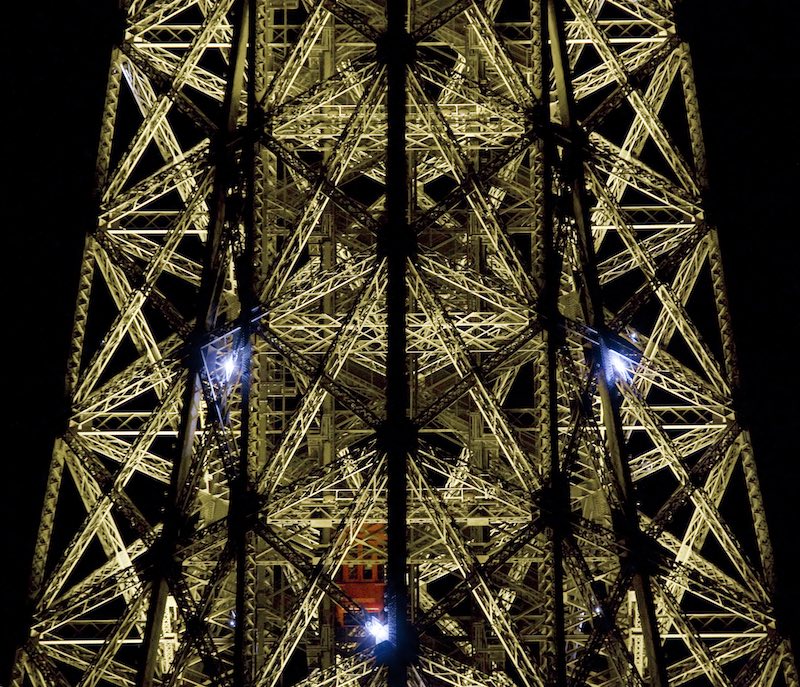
229	366
619	365
378	631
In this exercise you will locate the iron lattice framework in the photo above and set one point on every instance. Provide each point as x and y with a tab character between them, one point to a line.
402	319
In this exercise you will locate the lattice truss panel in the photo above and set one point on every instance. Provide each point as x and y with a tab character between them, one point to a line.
269	399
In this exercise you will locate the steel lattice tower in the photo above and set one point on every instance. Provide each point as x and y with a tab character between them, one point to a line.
402	356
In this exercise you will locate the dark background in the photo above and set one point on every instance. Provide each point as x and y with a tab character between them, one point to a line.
54	70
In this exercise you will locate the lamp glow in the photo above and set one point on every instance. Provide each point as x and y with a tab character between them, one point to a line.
229	365
619	365
379	631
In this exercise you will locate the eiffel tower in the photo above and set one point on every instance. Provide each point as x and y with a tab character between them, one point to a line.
402	356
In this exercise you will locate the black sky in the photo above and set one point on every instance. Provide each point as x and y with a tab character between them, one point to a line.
54	70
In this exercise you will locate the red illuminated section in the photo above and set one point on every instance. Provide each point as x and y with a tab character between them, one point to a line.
364	582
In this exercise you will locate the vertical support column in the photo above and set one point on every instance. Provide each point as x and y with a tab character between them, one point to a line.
397	244
240	532
546	263
211	284
159	589
626	523
262	252
241	493
557	482
324	651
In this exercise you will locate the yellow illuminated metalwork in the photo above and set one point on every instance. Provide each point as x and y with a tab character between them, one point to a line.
215	511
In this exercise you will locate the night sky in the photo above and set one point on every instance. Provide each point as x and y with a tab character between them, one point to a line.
747	69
